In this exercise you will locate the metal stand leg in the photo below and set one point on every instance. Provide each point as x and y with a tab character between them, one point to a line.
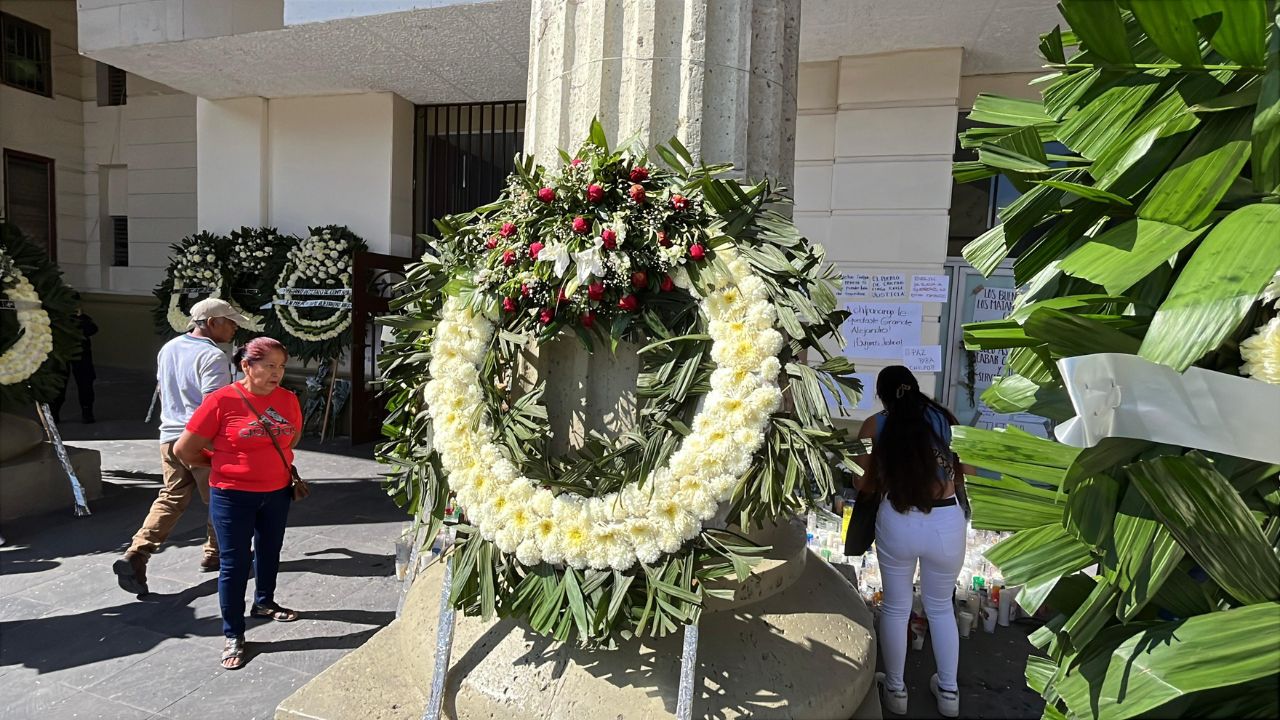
688	672
77	491
444	645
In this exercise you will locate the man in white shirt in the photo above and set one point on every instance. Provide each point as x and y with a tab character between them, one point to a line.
189	367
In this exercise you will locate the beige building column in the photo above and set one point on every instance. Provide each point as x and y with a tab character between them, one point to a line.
718	74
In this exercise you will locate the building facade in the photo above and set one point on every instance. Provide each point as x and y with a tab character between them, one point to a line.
158	118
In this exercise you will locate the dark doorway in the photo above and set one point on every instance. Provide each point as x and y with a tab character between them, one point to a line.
29	198
463	154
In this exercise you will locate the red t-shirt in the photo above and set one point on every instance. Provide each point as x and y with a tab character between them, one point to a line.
243	456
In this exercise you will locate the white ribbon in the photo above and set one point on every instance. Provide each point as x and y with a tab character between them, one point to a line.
314	303
1118	395
313	291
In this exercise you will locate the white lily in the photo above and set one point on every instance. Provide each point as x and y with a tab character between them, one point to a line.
589	262
557	253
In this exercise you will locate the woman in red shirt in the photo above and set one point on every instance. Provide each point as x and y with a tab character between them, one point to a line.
249	494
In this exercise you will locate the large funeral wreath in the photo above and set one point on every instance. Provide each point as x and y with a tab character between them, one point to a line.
312	294
612	540
196	271
39	332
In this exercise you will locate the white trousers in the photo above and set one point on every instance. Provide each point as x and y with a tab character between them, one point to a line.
936	540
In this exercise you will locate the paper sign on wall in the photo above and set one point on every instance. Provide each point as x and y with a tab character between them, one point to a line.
922	358
888	286
930	288
993	303
855	284
881	330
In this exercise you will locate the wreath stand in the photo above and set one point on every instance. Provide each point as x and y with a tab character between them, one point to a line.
55	438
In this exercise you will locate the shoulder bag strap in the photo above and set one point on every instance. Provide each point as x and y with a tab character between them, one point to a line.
265	426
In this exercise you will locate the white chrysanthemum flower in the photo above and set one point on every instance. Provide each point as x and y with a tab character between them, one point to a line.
1261	353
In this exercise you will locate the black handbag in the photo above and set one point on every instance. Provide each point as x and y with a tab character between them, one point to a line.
862	523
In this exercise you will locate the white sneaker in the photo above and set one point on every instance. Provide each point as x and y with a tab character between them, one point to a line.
895	701
948	700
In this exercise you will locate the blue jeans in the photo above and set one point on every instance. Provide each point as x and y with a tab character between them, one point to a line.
241	518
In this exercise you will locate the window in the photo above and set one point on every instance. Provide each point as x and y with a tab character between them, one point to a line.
111	85
25	55
28	198
462	156
120	240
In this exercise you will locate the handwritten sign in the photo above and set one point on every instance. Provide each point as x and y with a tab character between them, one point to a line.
855	285
993	303
930	288
922	358
888	286
881	330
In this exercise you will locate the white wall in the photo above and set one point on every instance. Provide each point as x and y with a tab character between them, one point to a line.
116	23
875	138
232	164
52	127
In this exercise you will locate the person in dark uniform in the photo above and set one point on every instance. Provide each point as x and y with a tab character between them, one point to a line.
82	370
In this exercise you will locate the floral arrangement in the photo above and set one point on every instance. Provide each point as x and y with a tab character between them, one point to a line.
313	293
39	334
196	271
615	538
254	259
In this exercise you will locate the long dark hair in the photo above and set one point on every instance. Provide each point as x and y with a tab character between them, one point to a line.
909	451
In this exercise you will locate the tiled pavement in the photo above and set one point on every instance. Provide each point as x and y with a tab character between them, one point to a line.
74	645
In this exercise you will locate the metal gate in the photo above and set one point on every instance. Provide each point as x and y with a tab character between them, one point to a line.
463	154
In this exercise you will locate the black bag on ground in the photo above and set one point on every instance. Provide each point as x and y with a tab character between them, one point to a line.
862	524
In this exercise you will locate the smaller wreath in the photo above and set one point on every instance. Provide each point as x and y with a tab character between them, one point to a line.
35	339
39	330
197	270
255	257
313	293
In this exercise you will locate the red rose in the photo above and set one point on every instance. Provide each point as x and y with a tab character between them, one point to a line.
546	194
595	291
509	304
637	193
639	280
575	162
524	291
610	238
662	239
639	173
667	284
492	242
679	202
587	319
580	225
534	249
508	257
508	229
546	316
697	252
629	303
595	193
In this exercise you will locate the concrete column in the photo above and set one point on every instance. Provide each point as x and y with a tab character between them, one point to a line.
718	74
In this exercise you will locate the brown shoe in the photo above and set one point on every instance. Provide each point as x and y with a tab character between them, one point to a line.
210	563
131	573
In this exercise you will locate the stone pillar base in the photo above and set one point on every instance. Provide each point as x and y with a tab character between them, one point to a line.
805	650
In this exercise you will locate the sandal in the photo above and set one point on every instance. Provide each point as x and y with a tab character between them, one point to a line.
233	653
273	612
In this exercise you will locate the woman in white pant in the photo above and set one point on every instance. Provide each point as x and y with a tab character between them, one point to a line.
920	520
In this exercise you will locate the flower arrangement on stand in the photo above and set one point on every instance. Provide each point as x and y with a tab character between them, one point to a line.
312	295
255	257
615	539
39	333
197	270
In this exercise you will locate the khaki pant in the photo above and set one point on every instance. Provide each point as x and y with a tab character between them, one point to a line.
180	483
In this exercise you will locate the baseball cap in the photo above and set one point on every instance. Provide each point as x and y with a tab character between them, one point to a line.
215	308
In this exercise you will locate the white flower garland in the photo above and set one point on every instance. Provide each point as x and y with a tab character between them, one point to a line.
179	320
322	259
642	521
35	339
1261	353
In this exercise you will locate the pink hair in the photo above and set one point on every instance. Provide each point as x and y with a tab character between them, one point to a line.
257	349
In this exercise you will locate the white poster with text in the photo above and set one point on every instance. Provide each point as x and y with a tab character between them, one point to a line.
881	330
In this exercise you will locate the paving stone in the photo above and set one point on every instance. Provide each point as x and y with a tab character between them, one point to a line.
76	650
87	706
17	609
151	683
253	691
31	698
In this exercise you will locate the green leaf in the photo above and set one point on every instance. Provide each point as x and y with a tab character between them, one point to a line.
1242	30
1088	619
1203	511
1099	27
1091	509
1189	191
1001	110
1087	192
1011	160
1014	452
1096	127
1133	669
1169	25
1216	288
1009	504
1010	394
1068	335
1037	554
1120	257
598	138
1266	120
987	251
